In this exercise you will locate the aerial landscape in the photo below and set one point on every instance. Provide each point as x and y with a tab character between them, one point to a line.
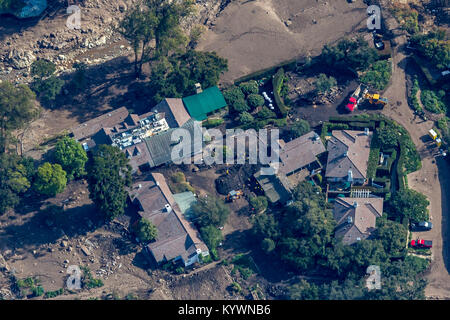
252	150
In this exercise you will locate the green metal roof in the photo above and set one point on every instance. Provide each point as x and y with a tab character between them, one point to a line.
199	105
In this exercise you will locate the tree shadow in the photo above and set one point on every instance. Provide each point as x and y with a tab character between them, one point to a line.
47	227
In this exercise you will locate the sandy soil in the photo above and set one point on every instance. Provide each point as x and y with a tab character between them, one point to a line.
429	180
257	34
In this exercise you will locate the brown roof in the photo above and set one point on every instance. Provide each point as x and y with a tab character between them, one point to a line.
176	114
176	238
300	152
348	150
138	155
356	217
107	120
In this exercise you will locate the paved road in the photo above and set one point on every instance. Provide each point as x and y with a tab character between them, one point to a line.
433	179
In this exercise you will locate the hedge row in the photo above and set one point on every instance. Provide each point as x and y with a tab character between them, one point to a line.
268	72
277	83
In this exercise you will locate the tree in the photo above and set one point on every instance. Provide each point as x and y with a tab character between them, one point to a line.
48	89
15	176
259	203
409	203
378	75
158	21
17	108
255	100
50	179
393	236
11	5
42	68
324	83
268	245
245	118
388	137
299	128
212	236
250	87
266	113
71	156
210	210
108	175
240	106
79	80
145	230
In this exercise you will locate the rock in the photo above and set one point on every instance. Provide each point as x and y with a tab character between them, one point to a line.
3	264
122	6
64	243
101	41
85	250
21	59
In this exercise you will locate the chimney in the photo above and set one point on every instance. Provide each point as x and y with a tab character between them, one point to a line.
168	208
355	204
139	186
350	175
349	220
366	131
198	88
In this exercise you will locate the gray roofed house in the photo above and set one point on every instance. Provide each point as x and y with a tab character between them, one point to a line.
295	155
356	218
348	156
177	239
160	146
91	127
300	152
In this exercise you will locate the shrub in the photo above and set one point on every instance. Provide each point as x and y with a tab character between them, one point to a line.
210	123
324	83
245	118
266	113
277	83
42	68
432	102
378	75
268	245
145	230
250	87
255	100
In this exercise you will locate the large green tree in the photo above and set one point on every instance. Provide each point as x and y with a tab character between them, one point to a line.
409	203
50	179
15	179
71	156
210	210
145	230
153	29
108	175
17	108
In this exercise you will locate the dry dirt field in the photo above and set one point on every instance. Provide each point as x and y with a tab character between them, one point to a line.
256	34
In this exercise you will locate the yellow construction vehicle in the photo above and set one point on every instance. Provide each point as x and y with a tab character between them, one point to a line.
376	99
434	136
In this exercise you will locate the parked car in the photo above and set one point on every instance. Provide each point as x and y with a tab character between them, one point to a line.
421	243
421	226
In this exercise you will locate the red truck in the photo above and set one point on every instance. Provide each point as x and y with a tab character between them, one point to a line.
420	243
356	98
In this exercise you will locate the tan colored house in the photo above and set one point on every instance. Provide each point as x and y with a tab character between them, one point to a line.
356	218
177	239
348	156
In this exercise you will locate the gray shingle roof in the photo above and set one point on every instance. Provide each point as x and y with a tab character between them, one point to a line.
300	152
356	217
348	150
160	146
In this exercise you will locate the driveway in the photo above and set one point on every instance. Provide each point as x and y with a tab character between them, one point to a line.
432	180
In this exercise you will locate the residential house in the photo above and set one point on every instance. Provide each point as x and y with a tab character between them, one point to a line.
298	160
356	218
348	156
177	240
202	104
